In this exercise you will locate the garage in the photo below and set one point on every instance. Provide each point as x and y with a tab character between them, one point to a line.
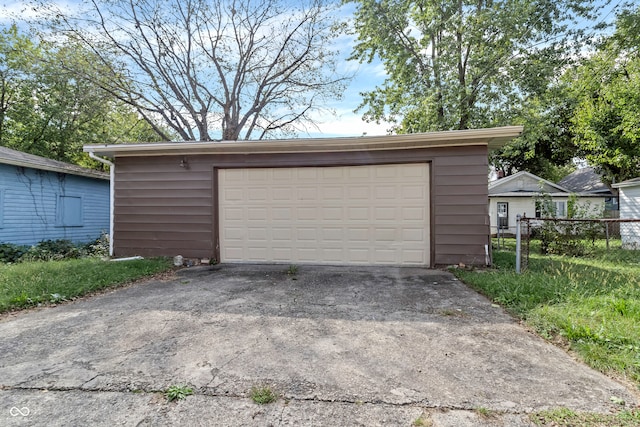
372	214
407	200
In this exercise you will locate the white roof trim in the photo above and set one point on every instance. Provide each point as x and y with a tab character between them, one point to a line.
492	137
634	182
504	180
538	194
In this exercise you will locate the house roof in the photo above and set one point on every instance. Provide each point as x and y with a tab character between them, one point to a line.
495	185
492	137
553	195
18	158
628	183
584	180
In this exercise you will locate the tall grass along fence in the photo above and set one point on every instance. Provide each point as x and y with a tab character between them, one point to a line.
571	236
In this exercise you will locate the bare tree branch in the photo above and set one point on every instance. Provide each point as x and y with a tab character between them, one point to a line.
208	69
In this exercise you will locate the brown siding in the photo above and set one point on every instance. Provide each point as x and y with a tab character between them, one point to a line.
176	205
161	208
461	207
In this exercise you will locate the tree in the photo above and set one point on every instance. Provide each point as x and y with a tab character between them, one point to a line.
546	147
238	69
607	118
45	110
458	64
17	56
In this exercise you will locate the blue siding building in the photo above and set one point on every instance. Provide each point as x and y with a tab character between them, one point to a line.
43	199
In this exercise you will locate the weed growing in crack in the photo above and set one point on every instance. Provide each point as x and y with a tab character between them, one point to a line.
292	270
177	392
262	395
484	412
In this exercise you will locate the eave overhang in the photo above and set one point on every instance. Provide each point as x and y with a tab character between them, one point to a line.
493	138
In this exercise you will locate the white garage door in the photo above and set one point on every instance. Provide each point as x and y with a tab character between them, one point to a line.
375	214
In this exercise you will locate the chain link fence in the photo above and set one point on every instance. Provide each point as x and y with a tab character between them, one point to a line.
628	230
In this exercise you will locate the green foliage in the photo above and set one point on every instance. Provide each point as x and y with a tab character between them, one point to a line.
98	247
176	392
546	147
29	283
262	395
607	85
567	237
462	64
10	252
52	250
292	270
592	302
564	417
484	412
50	107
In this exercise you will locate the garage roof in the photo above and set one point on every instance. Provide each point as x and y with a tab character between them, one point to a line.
492	137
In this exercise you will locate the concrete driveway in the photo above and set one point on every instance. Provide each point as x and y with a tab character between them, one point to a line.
341	346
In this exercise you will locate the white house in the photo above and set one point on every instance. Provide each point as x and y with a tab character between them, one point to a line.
629	195
517	193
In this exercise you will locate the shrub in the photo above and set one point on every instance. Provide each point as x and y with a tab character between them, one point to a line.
99	247
10	252
52	250
567	237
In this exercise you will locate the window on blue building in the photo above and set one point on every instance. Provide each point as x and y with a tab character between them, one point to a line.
69	211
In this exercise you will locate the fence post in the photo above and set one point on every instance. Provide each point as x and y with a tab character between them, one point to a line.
607	233
518	243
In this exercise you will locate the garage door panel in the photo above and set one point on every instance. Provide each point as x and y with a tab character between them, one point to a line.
385	214
307	234
357	192
331	214
257	194
386	234
414	192
231	214
413	256
413	214
377	214
281	194
234	233
284	234
280	214
282	254
386	192
413	234
357	173
385	256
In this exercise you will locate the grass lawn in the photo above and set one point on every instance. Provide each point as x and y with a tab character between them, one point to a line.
591	303
30	283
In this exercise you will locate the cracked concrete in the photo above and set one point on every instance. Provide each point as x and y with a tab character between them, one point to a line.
340	346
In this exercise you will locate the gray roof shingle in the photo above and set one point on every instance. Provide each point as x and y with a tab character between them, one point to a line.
584	180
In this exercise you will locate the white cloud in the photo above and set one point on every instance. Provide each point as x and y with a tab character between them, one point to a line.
346	123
